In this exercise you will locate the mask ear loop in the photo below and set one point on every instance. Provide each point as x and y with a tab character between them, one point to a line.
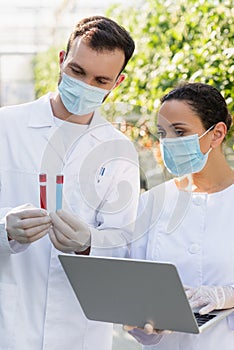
212	127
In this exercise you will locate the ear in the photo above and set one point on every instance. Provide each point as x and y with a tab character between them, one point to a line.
62	56
219	133
119	80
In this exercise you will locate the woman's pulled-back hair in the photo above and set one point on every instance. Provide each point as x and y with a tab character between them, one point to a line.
205	100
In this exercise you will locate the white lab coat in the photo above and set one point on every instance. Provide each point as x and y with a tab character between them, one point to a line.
38	309
195	232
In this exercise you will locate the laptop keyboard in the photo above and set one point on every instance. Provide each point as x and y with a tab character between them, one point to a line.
201	319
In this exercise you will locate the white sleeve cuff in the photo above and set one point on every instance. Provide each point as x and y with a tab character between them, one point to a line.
9	247
4	242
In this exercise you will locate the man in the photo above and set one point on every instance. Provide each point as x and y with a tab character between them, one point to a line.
62	133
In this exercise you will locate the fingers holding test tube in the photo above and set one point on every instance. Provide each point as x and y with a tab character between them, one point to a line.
69	233
27	224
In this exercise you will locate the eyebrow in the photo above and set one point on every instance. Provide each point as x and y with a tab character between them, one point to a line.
172	125
76	65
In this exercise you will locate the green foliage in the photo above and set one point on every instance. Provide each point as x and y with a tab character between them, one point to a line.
175	41
188	40
46	71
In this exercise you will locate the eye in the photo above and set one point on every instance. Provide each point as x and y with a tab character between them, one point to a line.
75	71
179	132
161	133
101	82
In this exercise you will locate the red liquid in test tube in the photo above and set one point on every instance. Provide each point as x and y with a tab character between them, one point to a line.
43	182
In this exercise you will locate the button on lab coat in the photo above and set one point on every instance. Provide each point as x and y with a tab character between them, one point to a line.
38	309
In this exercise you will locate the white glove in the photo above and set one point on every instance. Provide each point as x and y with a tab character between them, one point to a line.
210	298
27	224
68	233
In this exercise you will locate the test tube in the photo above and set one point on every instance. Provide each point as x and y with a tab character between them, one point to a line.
59	191
43	182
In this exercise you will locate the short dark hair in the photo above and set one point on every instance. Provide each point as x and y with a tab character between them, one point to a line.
102	33
205	100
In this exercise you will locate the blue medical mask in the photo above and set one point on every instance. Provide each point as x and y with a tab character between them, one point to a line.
182	155
78	97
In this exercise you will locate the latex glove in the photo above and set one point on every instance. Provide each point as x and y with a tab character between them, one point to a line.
147	335
27	224
68	233
210	298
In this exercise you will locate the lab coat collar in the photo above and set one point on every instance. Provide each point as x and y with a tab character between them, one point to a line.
42	116
99	127
41	113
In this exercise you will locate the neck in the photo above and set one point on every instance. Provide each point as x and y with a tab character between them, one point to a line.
216	176
59	111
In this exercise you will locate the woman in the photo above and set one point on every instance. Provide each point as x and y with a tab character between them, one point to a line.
188	220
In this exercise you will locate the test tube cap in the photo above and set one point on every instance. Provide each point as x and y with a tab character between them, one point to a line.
42	177
59	179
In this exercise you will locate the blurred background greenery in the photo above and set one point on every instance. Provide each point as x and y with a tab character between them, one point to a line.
175	41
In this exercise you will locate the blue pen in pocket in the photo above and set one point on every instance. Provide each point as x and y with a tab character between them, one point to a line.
101	173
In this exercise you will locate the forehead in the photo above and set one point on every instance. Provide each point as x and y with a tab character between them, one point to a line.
177	111
98	63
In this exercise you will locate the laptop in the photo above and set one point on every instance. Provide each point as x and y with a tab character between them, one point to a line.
134	292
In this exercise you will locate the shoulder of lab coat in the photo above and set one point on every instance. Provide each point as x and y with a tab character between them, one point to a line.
150	208
37	113
102	130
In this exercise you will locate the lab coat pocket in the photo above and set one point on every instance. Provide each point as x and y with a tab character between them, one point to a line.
8	302
89	193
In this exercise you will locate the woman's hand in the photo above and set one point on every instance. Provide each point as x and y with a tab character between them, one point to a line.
148	329
209	298
147	335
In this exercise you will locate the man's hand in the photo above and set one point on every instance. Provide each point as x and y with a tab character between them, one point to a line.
27	224
68	233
